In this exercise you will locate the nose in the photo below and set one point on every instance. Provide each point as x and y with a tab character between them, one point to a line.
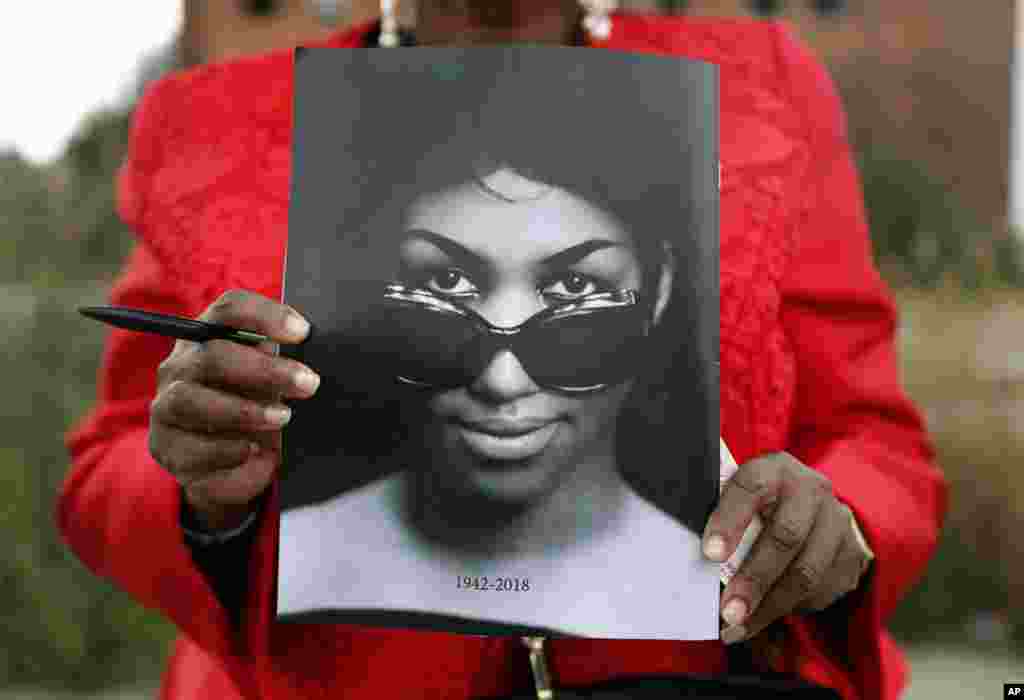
503	380
510	304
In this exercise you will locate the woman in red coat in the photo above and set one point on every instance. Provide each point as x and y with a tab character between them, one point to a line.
810	399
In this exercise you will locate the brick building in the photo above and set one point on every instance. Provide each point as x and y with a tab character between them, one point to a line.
928	80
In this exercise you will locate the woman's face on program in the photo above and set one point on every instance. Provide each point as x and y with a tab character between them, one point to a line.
508	247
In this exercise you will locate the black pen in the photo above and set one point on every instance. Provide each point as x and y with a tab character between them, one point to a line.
173	326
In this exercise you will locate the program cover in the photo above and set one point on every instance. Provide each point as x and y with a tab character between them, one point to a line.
510	260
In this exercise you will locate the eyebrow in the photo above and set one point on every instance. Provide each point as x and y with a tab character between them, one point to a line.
469	258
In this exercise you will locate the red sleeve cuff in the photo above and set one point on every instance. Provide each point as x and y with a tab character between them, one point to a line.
119	512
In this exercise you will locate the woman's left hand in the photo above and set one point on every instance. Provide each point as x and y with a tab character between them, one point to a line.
808	555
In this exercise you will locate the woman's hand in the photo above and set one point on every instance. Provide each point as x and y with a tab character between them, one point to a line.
216	421
808	555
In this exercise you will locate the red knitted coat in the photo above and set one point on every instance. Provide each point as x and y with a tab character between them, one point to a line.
807	365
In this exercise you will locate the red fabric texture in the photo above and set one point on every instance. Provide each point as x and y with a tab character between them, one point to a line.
807	365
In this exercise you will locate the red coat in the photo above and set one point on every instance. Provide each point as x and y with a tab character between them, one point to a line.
807	365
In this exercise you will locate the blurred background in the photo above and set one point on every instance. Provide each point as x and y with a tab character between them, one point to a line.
927	85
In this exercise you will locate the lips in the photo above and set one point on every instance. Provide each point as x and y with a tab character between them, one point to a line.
504	440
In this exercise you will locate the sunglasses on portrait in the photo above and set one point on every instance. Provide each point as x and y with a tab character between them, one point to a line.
585	345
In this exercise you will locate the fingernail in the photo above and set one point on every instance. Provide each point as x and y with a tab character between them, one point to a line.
714	548
296	326
734	612
731	635
278	415
307	381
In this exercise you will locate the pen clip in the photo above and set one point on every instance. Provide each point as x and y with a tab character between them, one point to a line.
539	667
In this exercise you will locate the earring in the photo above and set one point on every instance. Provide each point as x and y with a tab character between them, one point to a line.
597	21
388	24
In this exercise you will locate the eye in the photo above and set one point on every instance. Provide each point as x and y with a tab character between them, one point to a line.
571	285
451	282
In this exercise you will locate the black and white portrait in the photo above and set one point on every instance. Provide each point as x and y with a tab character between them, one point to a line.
509	257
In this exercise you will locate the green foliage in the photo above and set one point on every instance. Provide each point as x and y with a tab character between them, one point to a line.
60	242
63	625
99	239
957	585
923	236
58	223
28	213
957	364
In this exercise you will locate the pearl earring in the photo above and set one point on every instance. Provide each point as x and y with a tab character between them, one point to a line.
388	24
597	21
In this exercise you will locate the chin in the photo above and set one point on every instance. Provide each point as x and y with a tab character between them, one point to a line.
509	482
518	485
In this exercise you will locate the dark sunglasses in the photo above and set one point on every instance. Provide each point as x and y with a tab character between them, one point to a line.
429	341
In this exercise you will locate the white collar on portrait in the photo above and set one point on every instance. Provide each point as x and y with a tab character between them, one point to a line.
644	579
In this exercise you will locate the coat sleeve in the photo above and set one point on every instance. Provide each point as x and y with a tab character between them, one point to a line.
852	419
117	509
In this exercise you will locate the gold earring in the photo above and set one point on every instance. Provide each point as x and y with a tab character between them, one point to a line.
597	21
388	24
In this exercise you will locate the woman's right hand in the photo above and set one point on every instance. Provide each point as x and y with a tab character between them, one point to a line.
216	421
